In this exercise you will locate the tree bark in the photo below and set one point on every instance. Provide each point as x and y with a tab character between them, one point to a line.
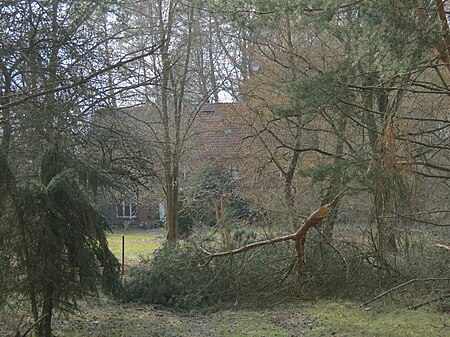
5	140
442	43
47	311
173	86
172	211
380	166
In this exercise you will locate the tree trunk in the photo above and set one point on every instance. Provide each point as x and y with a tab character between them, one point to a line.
212	62
172	211
329	223
5	140
442	42
47	311
297	109
173	86
335	182
381	175
386	240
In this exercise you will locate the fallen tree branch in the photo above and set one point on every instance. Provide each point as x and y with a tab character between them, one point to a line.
437	299
404	285
298	237
33	325
250	246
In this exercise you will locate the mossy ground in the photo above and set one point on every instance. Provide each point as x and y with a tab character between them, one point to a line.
320	318
103	318
109	319
348	319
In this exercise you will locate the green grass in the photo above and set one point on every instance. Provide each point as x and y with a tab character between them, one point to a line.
103	318
139	321
136	245
347	319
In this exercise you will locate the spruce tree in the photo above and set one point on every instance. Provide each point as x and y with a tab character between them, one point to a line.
53	244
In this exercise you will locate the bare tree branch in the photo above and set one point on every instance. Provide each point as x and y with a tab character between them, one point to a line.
404	285
53	89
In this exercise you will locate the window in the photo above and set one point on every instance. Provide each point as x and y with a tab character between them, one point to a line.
234	172
184	172
126	210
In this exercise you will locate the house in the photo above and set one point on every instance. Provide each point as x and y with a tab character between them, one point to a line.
215	139
220	136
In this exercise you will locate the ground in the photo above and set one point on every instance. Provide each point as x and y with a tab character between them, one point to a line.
293	319
296	318
288	318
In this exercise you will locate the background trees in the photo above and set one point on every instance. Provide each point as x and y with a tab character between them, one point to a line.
343	100
344	83
186	79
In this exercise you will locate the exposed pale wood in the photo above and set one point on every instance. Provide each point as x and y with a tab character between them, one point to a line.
443	246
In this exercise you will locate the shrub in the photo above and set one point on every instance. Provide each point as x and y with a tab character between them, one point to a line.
180	275
185	220
205	194
183	276
355	273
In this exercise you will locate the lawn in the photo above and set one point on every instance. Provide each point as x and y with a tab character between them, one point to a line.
136	244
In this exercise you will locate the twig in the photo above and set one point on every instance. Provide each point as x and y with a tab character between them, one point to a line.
347	270
417	306
34	324
404	285
198	297
18	326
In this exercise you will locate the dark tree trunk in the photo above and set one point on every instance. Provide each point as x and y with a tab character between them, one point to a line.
172	211
47	311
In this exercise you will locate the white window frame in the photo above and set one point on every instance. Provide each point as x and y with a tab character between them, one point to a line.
126	206
234	172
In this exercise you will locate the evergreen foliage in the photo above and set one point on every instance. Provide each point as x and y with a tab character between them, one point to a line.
58	239
54	249
186	221
178	275
204	197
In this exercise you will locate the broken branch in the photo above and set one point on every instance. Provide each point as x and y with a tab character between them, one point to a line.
298	237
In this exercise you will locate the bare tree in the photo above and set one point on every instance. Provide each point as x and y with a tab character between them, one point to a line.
170	108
